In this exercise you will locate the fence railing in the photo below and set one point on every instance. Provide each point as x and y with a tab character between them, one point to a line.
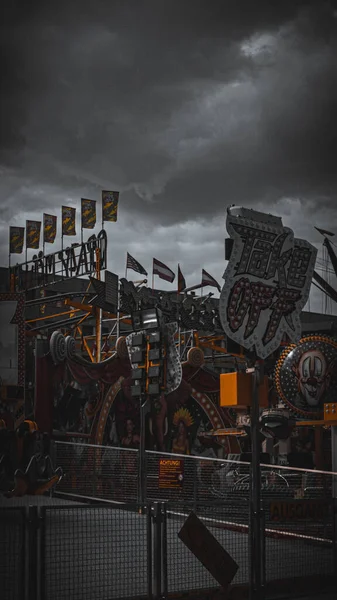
299	517
65	550
77	552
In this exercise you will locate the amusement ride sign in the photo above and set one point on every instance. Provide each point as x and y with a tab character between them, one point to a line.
267	281
75	261
306	375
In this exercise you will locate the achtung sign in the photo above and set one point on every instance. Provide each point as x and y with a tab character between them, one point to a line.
171	473
298	510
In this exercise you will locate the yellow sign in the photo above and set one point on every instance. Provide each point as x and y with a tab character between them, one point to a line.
171	473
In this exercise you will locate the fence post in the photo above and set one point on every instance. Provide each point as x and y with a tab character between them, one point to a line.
33	566
141	453
263	549
255	489
42	554
149	551
94	473
157	549
195	485
164	549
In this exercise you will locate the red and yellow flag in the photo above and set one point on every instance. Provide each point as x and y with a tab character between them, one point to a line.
110	206
68	220
49	228
16	239
88	213
33	233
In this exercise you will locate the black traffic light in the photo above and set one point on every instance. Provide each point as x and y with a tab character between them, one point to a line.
138	360
154	363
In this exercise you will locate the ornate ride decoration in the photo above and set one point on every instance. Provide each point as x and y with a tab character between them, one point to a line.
306	375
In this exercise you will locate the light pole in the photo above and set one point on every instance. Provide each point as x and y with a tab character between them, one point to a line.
146	357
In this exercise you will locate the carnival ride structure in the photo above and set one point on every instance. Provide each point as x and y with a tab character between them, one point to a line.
101	356
26	464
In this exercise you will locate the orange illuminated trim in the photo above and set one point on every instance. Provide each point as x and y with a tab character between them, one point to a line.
316	423
62	314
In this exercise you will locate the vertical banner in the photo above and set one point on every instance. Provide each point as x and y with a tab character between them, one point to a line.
68	220
49	228
109	206
16	240
33	232
88	214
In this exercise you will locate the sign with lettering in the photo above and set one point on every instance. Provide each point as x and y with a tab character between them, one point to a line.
298	510
75	261
191	312
267	281
171	473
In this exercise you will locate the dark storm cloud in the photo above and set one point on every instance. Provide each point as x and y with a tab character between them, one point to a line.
159	100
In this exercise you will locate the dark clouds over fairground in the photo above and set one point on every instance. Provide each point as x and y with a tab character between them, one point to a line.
184	106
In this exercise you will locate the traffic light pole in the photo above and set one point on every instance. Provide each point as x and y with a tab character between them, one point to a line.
147	353
144	403
256	521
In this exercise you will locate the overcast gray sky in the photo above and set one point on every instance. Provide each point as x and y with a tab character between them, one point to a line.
184	106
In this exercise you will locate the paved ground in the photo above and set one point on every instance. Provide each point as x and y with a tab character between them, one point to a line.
95	553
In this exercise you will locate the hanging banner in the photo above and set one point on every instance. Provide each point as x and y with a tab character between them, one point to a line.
68	220
49	228
88	213
33	232
16	240
267	281
110	206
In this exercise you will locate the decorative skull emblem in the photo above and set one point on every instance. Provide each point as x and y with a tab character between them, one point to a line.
313	376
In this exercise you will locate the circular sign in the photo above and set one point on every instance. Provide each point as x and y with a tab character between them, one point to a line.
306	375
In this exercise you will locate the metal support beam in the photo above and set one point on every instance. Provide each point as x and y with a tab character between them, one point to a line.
256	584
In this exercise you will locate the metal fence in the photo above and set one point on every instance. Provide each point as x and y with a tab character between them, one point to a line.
101	472
12	552
298	516
94	553
66	551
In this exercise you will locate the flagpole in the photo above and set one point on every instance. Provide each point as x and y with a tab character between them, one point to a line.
62	249
9	262
118	310
26	250
193	287
126	267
